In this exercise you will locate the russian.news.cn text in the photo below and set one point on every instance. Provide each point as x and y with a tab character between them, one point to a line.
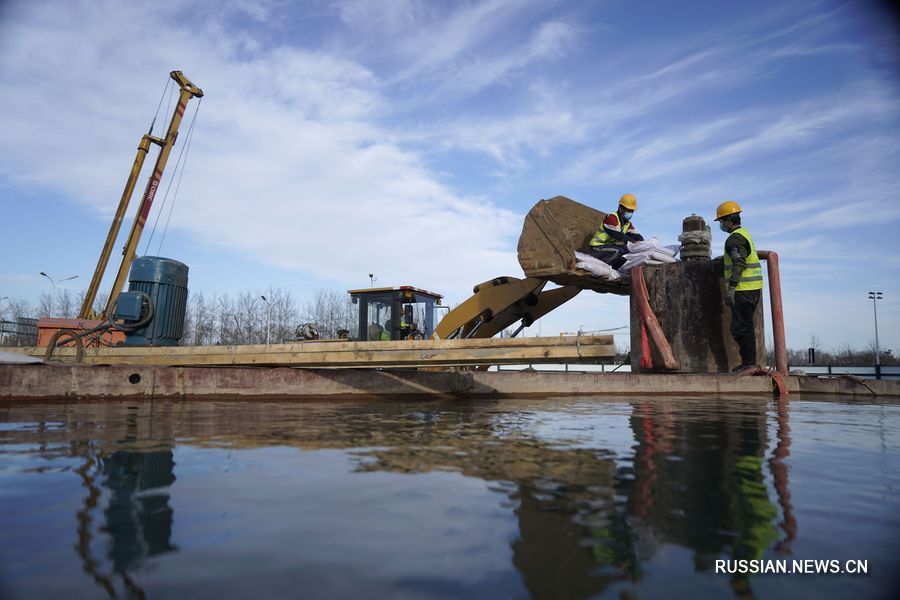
793	567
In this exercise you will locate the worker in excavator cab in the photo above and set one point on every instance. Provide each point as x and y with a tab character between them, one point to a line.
407	327
610	243
743	281
406	321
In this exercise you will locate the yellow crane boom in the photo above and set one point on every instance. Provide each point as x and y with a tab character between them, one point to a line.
187	91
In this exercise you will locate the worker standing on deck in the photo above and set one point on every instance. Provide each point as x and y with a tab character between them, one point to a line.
610	243
743	281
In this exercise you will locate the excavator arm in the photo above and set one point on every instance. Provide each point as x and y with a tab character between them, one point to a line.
501	303
554	229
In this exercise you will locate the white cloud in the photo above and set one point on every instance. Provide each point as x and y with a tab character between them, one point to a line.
332	135
473	75
511	141
446	38
289	162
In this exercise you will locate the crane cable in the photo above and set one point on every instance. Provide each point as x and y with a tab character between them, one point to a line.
166	88
187	151
178	164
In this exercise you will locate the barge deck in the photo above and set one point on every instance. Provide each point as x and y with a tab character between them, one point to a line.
27	382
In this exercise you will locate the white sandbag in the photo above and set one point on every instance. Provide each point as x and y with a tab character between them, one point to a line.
595	266
663	257
652	245
644	246
653	257
634	259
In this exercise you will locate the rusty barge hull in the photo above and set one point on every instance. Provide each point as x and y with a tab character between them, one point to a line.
29	382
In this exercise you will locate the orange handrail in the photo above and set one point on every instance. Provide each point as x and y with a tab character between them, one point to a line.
781	359
649	320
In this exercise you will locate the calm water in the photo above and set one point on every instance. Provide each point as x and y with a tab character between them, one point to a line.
553	498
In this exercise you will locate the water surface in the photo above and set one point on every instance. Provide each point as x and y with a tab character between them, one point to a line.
546	498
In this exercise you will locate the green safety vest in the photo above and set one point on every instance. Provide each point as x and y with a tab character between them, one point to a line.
386	333
751	278
602	238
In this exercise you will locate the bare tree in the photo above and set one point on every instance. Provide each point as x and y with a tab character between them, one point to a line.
13	311
45	304
229	324
241	320
331	311
20	309
815	342
284	315
65	304
200	322
843	354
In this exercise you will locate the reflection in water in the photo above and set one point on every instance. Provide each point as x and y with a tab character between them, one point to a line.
564	497
779	467
603	493
699	482
137	516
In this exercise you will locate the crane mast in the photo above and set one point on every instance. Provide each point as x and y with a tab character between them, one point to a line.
187	91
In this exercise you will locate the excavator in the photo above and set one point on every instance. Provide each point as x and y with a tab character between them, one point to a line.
554	230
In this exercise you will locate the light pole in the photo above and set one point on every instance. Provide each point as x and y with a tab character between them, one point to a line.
875	296
372	279
268	318
53	293
2	324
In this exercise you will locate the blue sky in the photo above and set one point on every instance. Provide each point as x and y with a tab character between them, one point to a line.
409	139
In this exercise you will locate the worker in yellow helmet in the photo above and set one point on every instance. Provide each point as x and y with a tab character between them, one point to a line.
743	281
609	244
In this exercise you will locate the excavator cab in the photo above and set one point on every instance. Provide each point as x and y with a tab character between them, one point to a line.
401	313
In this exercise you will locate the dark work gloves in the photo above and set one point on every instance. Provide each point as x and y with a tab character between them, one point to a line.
729	296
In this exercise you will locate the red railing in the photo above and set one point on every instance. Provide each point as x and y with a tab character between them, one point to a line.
781	360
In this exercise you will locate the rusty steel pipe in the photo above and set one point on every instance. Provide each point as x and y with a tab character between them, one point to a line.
649	320
781	359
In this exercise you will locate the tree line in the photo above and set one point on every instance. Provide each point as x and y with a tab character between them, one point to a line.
247	318
216	319
843	355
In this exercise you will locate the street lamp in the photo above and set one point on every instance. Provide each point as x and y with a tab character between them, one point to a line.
874	296
372	279
268	318
2	324
53	293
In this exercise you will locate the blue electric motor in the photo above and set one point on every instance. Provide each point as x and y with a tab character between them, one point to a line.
164	281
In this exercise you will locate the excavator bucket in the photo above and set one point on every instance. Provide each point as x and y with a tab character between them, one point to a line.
553	231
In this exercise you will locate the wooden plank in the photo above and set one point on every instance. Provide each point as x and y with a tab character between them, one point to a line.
359	354
348	346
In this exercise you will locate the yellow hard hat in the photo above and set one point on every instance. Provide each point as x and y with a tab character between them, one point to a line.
628	201
729	207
